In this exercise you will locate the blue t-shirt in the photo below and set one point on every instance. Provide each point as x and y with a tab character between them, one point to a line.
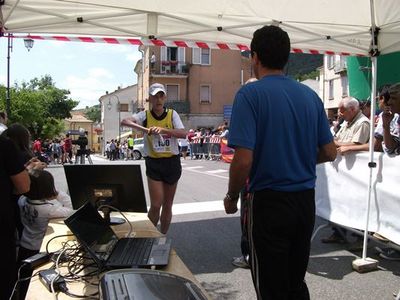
284	123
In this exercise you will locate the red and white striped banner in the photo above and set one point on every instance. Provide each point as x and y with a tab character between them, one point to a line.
215	140
167	43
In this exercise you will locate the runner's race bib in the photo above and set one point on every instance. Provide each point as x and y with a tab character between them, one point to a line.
161	143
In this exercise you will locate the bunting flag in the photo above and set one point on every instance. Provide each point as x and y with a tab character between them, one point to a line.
167	43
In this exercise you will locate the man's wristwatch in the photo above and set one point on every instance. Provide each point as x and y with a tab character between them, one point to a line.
232	198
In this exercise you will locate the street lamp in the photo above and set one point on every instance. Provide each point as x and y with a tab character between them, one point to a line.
109	106
28	44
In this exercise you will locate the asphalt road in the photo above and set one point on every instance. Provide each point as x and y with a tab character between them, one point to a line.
206	239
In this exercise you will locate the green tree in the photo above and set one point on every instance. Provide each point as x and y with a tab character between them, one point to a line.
93	113
40	106
310	75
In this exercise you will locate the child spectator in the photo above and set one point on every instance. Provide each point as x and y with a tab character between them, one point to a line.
42	203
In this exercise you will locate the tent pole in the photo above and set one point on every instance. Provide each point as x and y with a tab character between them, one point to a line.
371	163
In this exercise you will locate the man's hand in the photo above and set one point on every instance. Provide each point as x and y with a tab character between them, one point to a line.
230	204
344	149
387	117
35	164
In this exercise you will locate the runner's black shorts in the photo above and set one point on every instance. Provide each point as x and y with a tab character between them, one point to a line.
166	169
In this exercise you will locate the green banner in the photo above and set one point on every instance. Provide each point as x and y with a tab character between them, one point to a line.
359	73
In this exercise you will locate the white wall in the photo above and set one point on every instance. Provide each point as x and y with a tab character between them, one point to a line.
335	73
110	117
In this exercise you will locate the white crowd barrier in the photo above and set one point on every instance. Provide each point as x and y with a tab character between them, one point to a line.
342	191
209	148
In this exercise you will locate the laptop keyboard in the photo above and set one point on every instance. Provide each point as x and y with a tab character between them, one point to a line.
131	252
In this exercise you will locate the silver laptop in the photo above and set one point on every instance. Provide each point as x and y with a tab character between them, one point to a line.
111	252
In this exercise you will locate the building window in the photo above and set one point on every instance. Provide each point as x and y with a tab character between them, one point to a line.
345	83
123	107
172	92
201	56
205	94
331	91
330	61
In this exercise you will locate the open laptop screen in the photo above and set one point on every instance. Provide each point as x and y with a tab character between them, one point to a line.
91	229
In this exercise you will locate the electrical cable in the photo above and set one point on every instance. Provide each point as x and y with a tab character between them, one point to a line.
116	209
18	280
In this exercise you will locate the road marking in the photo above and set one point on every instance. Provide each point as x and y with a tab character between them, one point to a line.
205	173
192	168
197	207
217	171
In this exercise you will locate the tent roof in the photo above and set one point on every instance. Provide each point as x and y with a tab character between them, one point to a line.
339	26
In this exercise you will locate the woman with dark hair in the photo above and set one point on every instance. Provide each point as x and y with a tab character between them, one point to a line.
21	137
14	180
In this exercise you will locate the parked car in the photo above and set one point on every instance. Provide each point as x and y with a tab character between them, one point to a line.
138	145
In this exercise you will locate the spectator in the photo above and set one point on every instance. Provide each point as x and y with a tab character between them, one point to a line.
190	137
365	107
280	131
130	142
3	121
383	99
14	179
20	136
225	132
391	136
352	136
243	260
37	148
183	145
67	149
391	145
152	61
42	203
163	127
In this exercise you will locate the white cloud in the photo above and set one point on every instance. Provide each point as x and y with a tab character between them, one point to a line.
134	57
100	72
88	89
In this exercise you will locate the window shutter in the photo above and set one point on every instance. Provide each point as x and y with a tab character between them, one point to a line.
205	96
196	53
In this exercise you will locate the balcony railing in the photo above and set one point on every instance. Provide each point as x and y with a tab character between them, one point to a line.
340	66
181	107
173	67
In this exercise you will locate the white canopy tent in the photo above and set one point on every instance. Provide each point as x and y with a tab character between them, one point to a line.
316	26
355	27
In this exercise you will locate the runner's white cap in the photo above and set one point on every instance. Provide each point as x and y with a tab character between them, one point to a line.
155	88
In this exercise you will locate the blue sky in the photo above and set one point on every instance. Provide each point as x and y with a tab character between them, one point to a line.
87	70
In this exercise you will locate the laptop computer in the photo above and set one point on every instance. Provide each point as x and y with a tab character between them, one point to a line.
111	252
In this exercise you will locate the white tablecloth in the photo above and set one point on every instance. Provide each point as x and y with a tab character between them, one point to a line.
342	191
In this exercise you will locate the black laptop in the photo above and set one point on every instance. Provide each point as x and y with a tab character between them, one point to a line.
111	252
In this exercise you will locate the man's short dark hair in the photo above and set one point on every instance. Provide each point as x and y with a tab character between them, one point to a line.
383	92
272	46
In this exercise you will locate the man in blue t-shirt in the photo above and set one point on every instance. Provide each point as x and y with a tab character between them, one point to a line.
280	131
